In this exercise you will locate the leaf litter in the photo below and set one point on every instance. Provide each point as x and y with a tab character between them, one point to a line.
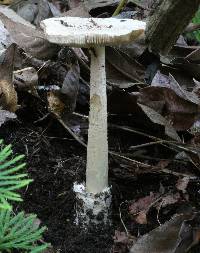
154	113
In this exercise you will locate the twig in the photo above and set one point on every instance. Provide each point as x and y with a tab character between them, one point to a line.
178	174
144	165
110	152
158	213
120	215
146	144
42	118
125	128
163	142
71	132
120	7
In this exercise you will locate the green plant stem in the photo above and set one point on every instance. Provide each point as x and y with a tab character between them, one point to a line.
120	7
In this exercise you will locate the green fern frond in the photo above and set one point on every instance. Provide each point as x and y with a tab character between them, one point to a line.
19	232
11	178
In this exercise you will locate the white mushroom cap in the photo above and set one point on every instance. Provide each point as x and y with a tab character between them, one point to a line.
87	32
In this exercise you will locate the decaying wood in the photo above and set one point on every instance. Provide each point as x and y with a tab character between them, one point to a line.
169	19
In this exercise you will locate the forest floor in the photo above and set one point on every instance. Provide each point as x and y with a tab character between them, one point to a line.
55	161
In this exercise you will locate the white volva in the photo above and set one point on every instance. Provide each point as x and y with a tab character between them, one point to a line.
94	197
97	148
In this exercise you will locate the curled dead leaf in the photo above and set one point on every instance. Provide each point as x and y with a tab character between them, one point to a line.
55	105
8	96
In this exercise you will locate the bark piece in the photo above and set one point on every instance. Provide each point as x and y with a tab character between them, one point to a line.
167	22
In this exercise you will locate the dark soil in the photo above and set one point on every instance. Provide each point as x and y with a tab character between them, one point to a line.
55	161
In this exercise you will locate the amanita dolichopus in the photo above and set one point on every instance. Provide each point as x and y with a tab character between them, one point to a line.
95	33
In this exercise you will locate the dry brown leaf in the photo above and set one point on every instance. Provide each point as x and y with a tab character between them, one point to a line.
180	113
127	66
142	203
162	80
26	35
74	3
141	218
185	58
91	4
169	199
63	101
55	105
121	242
176	235
79	11
8	96
157	118
26	78
194	56
6	2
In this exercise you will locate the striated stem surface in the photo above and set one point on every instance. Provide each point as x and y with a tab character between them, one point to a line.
97	148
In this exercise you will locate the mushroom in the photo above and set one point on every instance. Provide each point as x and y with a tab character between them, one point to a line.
94	33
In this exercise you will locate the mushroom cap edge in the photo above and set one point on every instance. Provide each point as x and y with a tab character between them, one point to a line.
88	32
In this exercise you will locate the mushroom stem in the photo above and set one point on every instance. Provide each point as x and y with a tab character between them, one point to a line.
97	148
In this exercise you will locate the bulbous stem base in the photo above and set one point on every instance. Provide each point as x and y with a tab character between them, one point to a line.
92	209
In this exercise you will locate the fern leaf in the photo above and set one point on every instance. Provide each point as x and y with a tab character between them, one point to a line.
11	178
19	232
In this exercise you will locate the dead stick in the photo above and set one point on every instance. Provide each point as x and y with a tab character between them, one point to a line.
110	152
120	7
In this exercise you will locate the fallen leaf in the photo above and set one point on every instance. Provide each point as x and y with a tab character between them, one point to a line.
73	3
28	11
6	2
194	56
6	116
161	80
135	49
159	119
141	218
127	66
185	58
26	79
5	40
26	36
121	242
139	209
79	11
91	4
120	237
44	12
182	184
175	235
8	95
63	101
169	199
178	112
142	203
